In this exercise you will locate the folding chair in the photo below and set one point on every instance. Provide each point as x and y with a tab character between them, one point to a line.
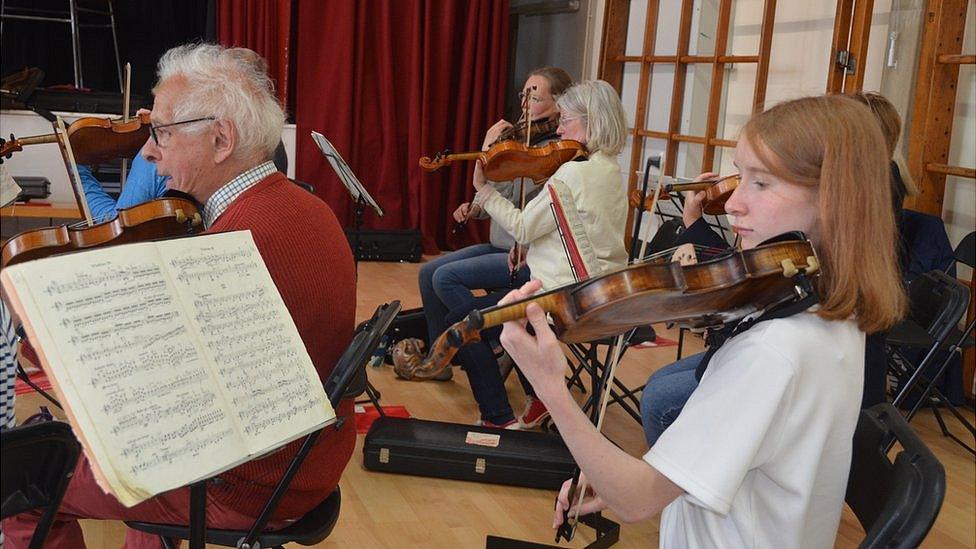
38	461
586	358
937	304
895	501
348	380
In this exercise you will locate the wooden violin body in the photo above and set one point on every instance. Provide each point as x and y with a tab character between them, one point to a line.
510	160
93	140
159	218
717	192
704	294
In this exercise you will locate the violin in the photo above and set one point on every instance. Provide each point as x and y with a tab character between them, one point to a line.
94	140
159	218
521	131
699	295
510	160
717	192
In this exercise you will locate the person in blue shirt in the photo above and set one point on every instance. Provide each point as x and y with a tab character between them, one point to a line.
143	184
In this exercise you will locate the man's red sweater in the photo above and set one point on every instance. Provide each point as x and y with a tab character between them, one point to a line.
310	262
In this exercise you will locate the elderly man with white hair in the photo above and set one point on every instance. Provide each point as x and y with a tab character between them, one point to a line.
216	124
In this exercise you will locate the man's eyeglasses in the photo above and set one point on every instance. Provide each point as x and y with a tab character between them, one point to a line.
161	137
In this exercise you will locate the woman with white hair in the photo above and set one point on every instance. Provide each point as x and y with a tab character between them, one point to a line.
574	228
589	191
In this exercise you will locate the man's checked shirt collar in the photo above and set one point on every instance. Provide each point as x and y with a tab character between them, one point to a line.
222	198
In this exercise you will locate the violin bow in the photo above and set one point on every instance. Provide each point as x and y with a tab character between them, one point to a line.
528	140
577	489
123	175
68	155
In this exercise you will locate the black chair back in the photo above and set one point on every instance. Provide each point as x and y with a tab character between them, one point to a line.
966	250
38	461
896	502
936	303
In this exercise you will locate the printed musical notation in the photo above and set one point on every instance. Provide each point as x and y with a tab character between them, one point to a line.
176	359
121	331
247	332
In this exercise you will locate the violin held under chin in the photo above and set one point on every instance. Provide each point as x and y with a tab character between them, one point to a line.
697	295
93	140
509	160
717	192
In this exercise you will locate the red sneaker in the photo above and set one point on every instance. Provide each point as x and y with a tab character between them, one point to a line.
535	413
512	425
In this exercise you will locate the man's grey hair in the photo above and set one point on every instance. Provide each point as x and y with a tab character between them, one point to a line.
228	84
599	105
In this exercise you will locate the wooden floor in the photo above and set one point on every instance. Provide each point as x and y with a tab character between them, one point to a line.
385	510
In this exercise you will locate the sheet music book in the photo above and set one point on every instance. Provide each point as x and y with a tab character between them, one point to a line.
9	189
342	169
175	360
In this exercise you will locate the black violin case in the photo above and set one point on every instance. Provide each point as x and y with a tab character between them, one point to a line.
467	452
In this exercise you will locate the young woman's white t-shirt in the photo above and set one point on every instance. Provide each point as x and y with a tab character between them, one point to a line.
763	446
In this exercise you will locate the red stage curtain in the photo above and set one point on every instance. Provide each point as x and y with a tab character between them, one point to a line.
389	81
263	26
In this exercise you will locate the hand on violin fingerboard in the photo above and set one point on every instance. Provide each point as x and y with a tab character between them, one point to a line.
692	210
491	136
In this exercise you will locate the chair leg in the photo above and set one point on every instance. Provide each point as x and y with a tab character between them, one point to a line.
372	397
930	389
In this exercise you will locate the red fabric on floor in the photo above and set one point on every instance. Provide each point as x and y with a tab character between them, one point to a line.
366	415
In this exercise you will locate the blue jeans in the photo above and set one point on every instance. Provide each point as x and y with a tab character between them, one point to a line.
665	395
446	285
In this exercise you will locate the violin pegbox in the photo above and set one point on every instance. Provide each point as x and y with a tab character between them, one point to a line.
790	269
9	147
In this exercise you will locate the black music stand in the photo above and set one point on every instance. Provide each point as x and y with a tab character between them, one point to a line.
359	194
361	198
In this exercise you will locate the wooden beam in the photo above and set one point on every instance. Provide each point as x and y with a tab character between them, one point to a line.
860	33
951	170
640	115
765	46
958	59
614	43
718	78
943	25
678	89
840	41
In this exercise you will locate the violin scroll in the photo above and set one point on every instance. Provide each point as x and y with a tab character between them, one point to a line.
8	148
440	160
